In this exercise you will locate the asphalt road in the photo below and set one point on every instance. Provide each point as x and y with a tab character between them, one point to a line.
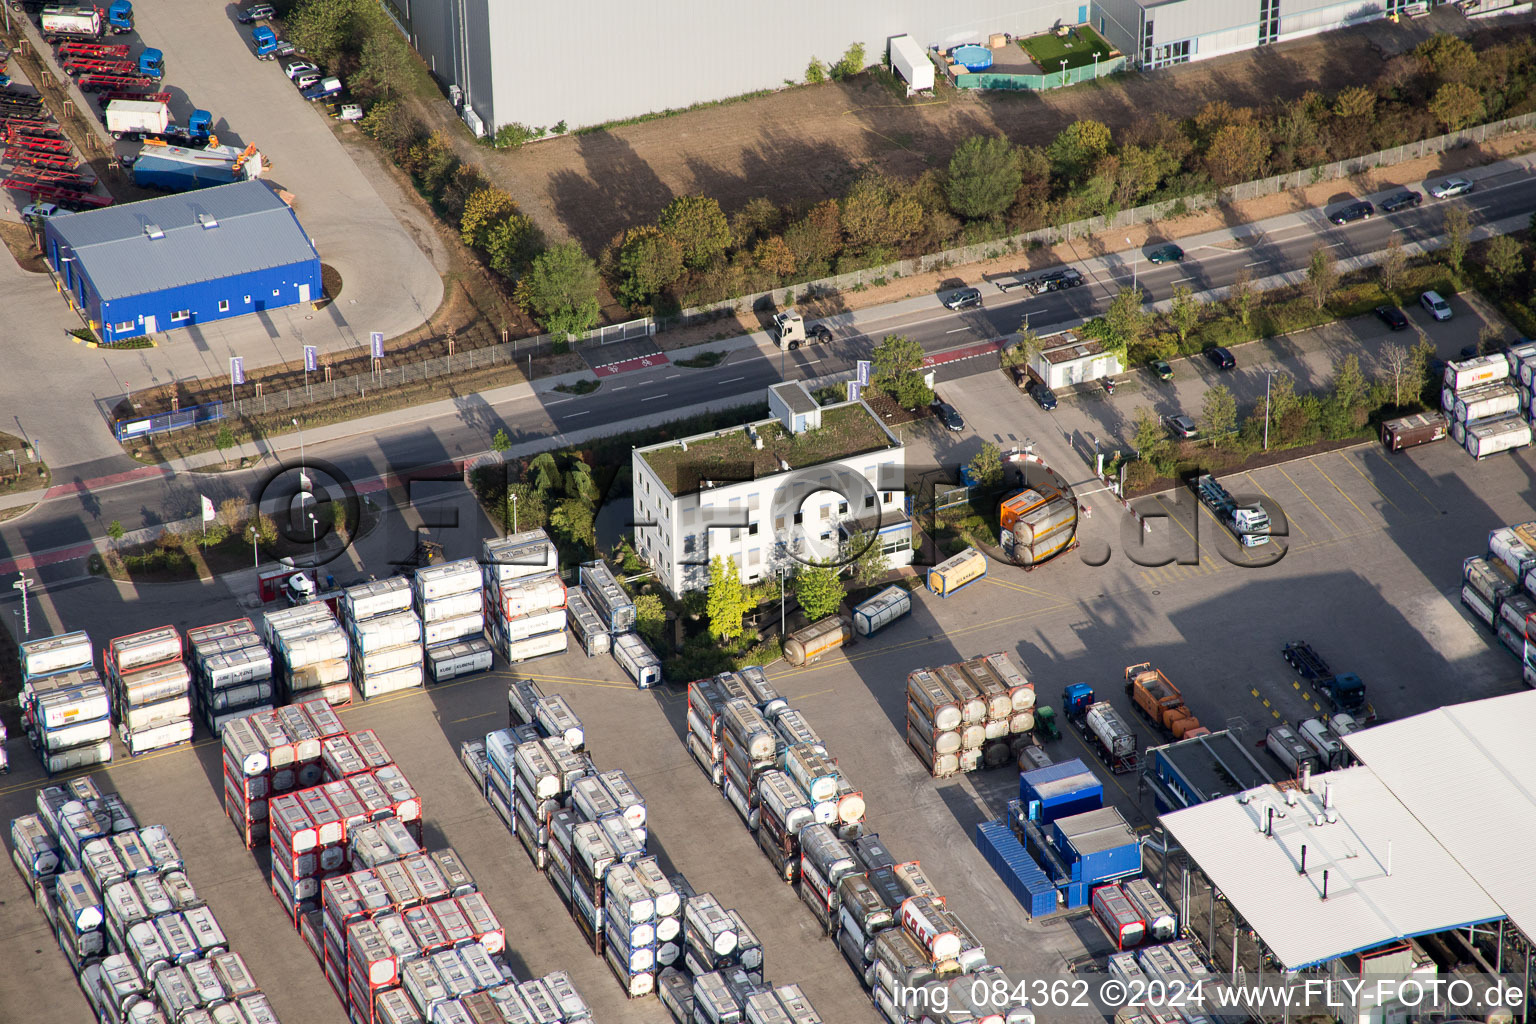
1262	250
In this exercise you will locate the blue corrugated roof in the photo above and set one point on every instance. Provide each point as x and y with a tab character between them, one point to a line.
251	229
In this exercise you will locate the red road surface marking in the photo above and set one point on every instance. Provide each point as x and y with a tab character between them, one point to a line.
629	365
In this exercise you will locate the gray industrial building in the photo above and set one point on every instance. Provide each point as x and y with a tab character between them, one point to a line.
601	60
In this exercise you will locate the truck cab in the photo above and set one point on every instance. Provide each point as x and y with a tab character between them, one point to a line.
199	126
120	17
789	331
1076	700
265	41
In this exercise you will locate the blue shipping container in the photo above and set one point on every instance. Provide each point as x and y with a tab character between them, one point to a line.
1061	789
1014	866
1079	894
1099	845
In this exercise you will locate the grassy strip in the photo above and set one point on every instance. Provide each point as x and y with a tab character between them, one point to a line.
580	387
702	361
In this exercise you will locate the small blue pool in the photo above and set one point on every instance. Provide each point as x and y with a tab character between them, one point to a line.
973	56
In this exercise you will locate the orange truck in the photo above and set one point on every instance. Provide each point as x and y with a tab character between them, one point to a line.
1159	700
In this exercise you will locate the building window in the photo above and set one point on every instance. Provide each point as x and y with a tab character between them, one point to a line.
223	305
751	529
799	518
888	496
755	556
842	508
1146	43
1269	21
869	501
276	292
247	300
689	542
181	316
778	523
124	327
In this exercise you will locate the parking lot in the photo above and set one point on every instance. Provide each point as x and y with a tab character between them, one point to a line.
1370	577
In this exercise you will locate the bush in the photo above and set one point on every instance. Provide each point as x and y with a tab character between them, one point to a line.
1139	474
515	136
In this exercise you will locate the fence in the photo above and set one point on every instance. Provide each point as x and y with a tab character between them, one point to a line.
857	279
1039	83
160	423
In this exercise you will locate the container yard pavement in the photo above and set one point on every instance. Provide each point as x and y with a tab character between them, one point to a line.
1380	538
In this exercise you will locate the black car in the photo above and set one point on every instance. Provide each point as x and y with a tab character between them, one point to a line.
1354	211
965	298
1168	253
1043	396
1407	199
1392	317
1221	357
948	415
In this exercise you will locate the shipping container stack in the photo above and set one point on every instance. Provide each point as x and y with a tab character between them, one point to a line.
144	946
1488	401
231	672
65	707
890	922
975	714
309	654
385	635
451	607
151	689
1499	588
590	630
606	622
524	597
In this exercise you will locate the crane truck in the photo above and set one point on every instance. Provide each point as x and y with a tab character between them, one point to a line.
82	24
1102	727
1249	522
151	119
1161	703
1344	690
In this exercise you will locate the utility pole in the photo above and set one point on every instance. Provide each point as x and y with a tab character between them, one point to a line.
26	613
1268	376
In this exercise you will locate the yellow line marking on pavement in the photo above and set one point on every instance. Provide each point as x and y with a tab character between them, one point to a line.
1336	487
1351	463
1290	524
471	718
1314	504
1021	588
1388	461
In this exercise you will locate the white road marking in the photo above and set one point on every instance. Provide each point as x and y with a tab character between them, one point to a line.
652	398
1260	263
561	401
957	330
670	376
621	387
732	380
584	412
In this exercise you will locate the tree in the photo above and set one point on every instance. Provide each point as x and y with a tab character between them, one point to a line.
1240	295
1456	105
232	512
560	289
816	238
326	30
115	532
698	226
871	562
544	473
987	466
528	512
819	589
851	63
1282	396
774	256
574	518
513	244
1237	153
1148	437
1458	231
1322	275
1354	101
726	602
1218	412
483	210
1504	259
984	177
500	442
579	483
1447	56
1424	356
895	356
876	214
651	620
1029	346
815	72
1078	147
1398	372
382	63
648	262
339	523
393	127
758	219
1393	265
1346	411
1184	314
224	440
1124	324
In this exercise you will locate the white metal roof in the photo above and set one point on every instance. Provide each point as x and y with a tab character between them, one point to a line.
1467	774
1388	876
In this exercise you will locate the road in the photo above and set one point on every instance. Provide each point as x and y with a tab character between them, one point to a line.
1282	245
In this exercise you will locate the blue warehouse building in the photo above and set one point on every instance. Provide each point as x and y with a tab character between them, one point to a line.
181	260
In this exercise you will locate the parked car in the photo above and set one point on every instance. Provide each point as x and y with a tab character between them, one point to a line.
948	415
1392	317
1407	199
1222	357
1450	187
1361	210
1044	397
294	68
1168	253
1181	426
965	298
1162	368
40	211
304	79
1437	307
255	13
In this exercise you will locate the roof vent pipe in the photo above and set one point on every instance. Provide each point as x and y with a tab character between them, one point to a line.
1306	776
1327	795
1290	798
1303	869
1269	825
1325	885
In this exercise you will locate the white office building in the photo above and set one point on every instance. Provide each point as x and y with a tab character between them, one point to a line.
770	495
1065	359
1160	33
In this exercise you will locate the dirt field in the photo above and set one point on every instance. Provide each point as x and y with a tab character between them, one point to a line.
808	143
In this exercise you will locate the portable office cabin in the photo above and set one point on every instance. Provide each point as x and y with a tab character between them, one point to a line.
1061	790
911	61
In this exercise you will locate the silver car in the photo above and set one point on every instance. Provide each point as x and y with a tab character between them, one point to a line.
1449	187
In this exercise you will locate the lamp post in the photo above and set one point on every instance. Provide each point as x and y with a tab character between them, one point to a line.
1096	56
781	604
255	552
514	513
1063	71
26	613
1136	264
314	539
1268	376
303	476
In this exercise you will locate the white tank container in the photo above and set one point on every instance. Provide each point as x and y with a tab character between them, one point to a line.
1487	401
535	624
637	659
55	654
1486	438
384	631
308	650
157	737
153	684
375	598
151	716
147	648
522	554
526	596
390	682
448	630
236	667
390	658
435	582
452	606
1469	373
881	610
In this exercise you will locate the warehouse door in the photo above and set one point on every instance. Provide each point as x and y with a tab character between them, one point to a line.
149	325
303	293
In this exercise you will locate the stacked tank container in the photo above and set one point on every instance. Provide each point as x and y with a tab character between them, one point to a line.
309	654
1488	406
1499	587
65	707
151	689
451	606
524	598
607	597
231	672
974	714
269	753
637	659
143	945
384	634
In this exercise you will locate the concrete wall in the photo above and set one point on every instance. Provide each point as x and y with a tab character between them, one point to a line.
609	60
